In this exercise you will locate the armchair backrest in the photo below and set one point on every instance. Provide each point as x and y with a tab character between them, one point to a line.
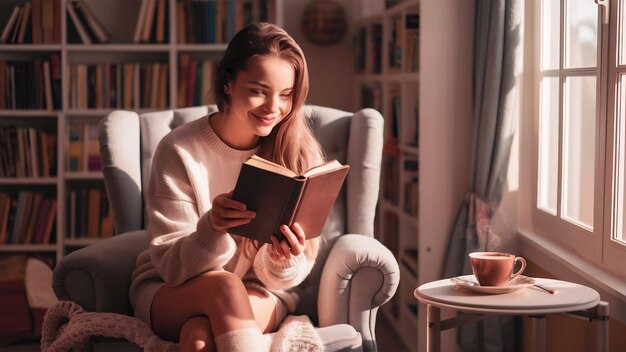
128	141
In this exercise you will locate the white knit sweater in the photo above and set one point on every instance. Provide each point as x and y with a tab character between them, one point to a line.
190	167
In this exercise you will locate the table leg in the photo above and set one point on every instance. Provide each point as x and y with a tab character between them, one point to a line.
539	324
433	340
602	325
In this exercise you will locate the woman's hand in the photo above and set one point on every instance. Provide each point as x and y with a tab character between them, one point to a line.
293	244
226	212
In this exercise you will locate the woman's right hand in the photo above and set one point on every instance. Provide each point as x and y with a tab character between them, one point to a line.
226	213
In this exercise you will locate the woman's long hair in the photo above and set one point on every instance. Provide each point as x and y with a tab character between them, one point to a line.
291	142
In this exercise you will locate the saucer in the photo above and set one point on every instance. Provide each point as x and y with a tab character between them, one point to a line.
469	282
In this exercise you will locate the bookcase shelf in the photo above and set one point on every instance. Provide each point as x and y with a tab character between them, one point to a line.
410	65
64	118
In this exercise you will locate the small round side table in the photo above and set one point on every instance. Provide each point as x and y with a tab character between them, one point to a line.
569	298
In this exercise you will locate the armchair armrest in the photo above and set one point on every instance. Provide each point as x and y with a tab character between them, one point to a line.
359	276
98	276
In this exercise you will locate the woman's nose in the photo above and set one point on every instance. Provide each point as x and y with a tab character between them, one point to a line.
272	103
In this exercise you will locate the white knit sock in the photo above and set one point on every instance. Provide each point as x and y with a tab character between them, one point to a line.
243	340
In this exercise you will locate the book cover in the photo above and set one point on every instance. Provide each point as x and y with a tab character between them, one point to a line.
279	196
9	28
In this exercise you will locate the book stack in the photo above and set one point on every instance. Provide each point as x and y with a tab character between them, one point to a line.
38	22
89	214
27	152
152	23
84	23
34	84
118	85
195	81
27	218
216	21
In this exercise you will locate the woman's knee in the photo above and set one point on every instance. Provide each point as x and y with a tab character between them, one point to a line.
223	288
196	335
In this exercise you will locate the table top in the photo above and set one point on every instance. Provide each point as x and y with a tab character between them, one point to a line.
568	297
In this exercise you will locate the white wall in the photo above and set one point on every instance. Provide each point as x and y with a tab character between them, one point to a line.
331	68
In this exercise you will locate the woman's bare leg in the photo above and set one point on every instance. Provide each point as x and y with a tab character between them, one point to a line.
196	335
215	301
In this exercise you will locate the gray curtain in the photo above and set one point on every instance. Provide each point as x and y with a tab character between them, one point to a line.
497	54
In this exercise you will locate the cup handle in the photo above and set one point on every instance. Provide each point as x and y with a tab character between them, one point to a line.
521	270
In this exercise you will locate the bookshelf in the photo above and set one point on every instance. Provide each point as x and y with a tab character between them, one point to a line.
120	65
409	61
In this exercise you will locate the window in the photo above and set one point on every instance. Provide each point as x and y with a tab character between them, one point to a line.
580	127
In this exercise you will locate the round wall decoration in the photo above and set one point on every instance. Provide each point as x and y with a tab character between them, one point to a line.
324	22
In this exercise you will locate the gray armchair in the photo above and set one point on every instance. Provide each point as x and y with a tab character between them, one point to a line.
353	275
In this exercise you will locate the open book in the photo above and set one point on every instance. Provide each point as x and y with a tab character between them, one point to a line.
279	196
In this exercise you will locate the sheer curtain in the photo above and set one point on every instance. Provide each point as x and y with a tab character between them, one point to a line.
498	41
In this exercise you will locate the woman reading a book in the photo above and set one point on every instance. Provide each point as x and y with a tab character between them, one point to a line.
196	283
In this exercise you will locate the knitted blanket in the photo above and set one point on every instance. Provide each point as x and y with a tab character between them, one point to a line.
67	327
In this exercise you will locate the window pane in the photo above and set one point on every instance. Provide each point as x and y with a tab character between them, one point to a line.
550	33
620	164
581	33
547	184
579	127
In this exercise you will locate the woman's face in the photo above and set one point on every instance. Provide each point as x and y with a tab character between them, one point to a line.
260	98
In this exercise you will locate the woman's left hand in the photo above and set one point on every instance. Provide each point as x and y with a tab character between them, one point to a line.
293	244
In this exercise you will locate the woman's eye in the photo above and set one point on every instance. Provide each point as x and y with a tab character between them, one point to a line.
256	92
286	96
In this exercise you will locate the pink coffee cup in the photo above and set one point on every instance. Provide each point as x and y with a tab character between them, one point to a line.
495	268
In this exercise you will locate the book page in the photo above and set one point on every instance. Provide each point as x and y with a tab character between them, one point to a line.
261	163
330	165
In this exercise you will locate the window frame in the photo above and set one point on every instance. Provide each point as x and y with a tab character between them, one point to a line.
614	253
596	246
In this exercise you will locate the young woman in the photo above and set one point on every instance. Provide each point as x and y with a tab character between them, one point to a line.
196	283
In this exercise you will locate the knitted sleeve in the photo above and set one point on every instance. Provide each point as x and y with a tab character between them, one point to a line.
281	274
183	243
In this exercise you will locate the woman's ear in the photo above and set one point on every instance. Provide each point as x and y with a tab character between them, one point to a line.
227	89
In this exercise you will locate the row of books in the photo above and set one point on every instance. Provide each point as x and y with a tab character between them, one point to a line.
372	35
27	152
412	25
404	43
32	84
83	25
28	218
37	23
216	21
151	25
195	81
121	85
83	148
88	214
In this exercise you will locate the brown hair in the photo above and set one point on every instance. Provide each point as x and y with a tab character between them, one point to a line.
291	142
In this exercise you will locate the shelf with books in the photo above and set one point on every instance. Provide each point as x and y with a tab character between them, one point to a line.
33	22
116	37
388	80
424	94
88	216
28	217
